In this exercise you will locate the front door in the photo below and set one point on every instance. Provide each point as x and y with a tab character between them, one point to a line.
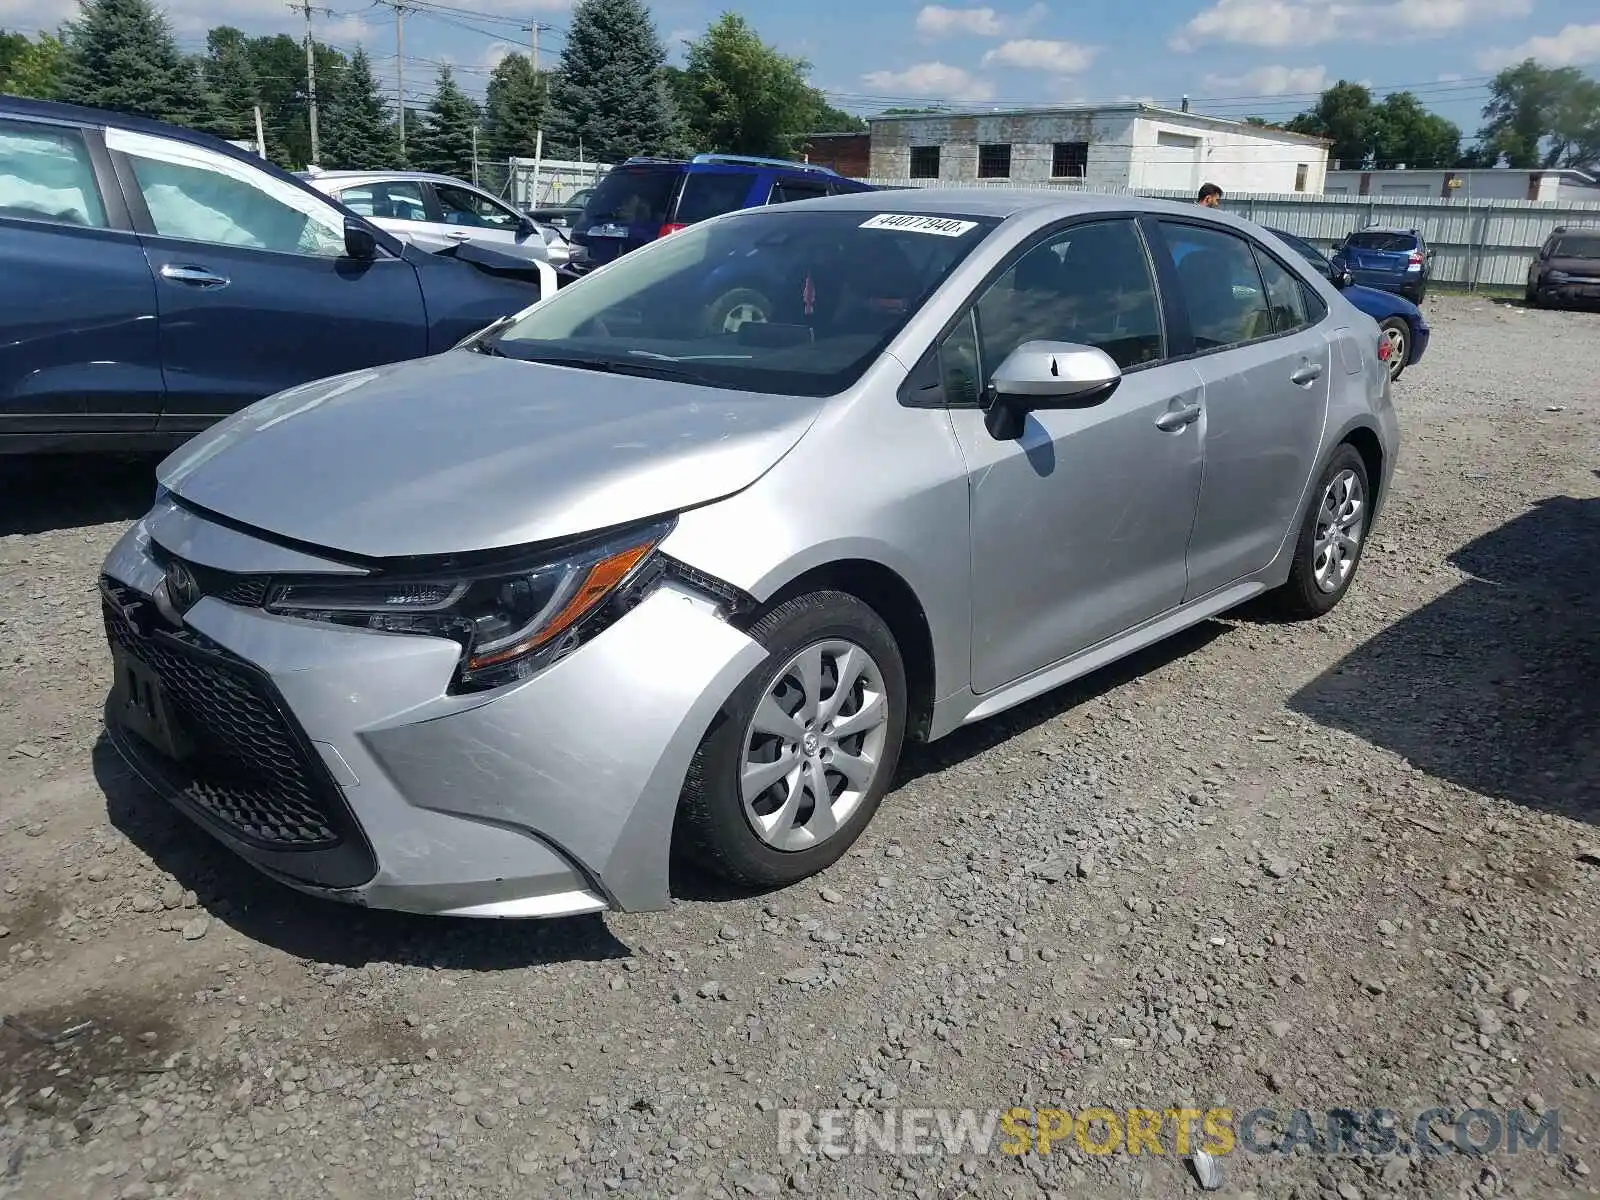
1265	365
398	206
253	287
1078	527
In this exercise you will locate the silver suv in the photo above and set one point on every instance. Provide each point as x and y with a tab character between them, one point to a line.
495	632
436	211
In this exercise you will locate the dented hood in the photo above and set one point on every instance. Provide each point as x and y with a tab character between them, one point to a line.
464	452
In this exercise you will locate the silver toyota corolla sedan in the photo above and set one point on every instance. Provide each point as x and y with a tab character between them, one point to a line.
500	631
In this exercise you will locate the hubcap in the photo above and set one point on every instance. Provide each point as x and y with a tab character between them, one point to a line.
814	747
742	314
1397	350
1341	520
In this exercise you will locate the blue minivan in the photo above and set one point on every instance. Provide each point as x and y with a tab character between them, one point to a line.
646	198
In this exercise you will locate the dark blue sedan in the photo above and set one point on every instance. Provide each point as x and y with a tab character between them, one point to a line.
154	280
1400	320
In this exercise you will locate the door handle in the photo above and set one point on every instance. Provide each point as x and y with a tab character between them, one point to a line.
194	276
1308	373
458	236
1177	418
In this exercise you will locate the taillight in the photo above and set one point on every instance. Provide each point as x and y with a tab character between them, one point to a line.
1384	349
666	229
1416	258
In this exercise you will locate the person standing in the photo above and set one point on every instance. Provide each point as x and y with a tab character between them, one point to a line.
1210	196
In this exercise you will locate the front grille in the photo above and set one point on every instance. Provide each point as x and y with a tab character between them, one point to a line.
251	769
247	591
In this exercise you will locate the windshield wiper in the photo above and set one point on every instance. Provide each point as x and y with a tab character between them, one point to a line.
653	356
645	370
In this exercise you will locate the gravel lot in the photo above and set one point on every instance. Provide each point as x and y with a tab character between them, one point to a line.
1347	864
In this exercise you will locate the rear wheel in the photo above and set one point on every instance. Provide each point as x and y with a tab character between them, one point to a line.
1331	539
1398	336
797	762
737	307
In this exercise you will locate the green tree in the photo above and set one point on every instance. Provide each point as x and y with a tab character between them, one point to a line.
121	56
1344	115
610	99
747	97
1403	131
356	129
31	68
232	89
513	109
835	120
1542	117
280	66
444	143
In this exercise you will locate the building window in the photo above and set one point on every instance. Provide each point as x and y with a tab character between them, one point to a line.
1300	176
1070	160
994	161
924	162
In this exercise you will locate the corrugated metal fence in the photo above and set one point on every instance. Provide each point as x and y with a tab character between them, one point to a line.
1486	243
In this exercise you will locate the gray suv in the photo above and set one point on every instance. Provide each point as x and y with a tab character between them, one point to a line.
497	632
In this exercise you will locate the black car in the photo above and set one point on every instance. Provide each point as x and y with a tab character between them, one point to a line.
1567	269
562	215
154	280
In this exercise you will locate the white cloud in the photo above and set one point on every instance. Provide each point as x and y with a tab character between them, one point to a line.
1574	46
1036	54
938	20
1271	81
929	79
1302	23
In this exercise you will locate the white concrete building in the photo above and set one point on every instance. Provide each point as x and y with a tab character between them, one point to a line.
1494	183
1118	146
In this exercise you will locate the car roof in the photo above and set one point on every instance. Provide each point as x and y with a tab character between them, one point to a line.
1389	229
1010	202
384	176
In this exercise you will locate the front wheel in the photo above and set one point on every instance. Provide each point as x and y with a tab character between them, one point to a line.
735	308
1398	336
1332	537
798	760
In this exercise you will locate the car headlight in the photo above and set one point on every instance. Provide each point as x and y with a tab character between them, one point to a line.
510	620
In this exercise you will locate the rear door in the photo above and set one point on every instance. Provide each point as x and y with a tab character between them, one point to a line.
80	352
629	209
707	194
254	290
1264	366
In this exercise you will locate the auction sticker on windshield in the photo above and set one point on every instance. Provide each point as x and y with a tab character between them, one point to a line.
919	223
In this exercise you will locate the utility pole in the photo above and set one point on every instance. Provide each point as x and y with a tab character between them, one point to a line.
311	77
400	72
261	137
535	30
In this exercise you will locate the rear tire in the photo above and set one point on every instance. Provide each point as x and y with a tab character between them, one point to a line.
1332	538
785	711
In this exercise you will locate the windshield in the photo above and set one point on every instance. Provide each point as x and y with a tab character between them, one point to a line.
1577	246
769	300
1377	240
633	196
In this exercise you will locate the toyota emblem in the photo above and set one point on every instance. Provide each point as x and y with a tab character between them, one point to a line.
183	589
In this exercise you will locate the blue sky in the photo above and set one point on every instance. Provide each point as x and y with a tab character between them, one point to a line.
1232	57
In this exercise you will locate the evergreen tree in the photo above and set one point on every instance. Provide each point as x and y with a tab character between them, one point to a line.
232	89
513	109
121	56
357	134
444	143
610	99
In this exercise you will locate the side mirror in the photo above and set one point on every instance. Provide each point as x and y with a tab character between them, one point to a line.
1046	375
359	241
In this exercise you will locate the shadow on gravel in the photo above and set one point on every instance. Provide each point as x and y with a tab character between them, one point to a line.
1492	686
327	931
52	491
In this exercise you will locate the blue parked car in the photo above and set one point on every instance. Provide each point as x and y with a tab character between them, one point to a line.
646	198
1391	260
154	280
1401	321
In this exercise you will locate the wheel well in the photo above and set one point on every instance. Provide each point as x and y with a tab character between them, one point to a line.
1366	444
892	599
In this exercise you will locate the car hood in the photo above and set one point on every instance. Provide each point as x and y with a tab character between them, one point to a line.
464	451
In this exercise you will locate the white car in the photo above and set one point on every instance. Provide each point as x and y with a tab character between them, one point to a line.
437	211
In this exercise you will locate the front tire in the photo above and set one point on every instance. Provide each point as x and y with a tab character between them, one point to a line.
737	307
798	760
1331	540
1398	334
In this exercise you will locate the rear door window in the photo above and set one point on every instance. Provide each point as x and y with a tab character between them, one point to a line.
633	196
709	194
396	201
46	175
786	190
